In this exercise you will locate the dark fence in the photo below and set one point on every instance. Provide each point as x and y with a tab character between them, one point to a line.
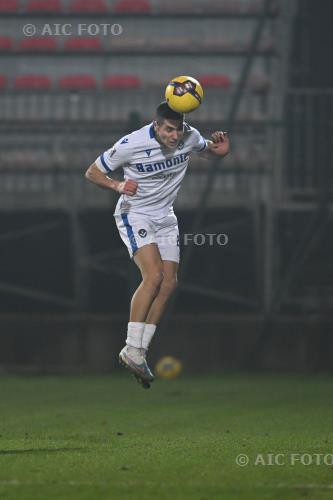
210	343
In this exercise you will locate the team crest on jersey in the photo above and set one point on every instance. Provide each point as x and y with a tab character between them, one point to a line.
142	233
124	141
181	145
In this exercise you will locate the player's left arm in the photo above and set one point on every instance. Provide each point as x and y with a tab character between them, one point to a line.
218	146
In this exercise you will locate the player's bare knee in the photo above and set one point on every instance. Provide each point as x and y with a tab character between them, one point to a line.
168	285
153	279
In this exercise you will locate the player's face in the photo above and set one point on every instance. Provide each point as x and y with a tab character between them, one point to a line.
169	133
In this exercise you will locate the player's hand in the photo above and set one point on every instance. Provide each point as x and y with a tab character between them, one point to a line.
128	187
219	136
221	143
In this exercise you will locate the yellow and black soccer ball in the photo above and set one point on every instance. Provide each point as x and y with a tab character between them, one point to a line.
168	368
184	94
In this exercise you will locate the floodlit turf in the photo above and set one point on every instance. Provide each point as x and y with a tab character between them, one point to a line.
104	437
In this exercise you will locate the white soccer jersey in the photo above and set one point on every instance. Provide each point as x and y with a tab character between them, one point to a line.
157	169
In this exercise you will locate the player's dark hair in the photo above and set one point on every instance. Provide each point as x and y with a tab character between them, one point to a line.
163	112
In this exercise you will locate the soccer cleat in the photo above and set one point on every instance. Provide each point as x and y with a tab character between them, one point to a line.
139	369
143	383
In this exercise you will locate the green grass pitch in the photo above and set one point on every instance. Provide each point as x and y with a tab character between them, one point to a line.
105	438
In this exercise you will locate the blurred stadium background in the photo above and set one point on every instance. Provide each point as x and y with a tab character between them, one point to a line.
265	299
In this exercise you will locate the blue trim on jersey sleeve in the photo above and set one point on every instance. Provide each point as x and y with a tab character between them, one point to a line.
104	163
130	233
151	132
204	147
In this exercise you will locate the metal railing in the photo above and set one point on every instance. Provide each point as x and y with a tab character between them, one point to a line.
48	136
308	141
115	105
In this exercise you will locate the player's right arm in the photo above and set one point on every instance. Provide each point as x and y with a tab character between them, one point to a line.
95	175
100	172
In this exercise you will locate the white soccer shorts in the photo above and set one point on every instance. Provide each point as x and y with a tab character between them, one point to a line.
138	230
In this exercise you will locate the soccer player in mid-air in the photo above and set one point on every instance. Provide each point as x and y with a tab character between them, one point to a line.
154	159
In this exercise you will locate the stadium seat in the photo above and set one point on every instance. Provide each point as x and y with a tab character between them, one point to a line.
88	6
126	44
225	7
121	82
39	44
3	81
127	6
173	43
183	7
215	81
32	82
6	43
83	44
44	6
218	44
256	6
77	82
8	5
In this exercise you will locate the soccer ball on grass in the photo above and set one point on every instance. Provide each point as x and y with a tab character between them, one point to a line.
168	368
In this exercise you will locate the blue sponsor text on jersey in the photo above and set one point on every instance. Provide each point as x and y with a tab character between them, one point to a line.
161	165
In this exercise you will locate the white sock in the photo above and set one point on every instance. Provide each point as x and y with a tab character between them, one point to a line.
134	334
148	334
